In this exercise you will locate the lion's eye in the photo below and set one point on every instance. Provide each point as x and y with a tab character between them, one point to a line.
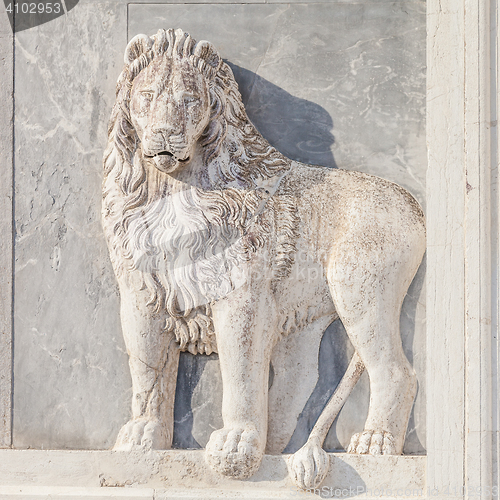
190	100
147	94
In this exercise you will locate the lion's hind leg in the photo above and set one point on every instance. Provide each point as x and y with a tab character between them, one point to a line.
368	287
392	383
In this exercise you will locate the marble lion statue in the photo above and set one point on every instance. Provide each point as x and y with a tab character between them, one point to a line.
221	244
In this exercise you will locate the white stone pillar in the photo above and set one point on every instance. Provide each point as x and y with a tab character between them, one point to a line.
462	145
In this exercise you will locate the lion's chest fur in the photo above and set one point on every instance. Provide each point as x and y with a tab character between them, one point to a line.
192	247
185	244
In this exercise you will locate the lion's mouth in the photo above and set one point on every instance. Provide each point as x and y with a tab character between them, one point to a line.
168	153
166	161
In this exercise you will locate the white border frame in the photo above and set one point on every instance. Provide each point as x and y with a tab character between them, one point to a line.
462	76
462	307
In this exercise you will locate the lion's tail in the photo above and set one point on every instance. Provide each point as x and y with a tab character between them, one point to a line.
332	409
309	466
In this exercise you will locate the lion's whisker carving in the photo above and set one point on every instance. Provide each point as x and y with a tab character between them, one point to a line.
221	244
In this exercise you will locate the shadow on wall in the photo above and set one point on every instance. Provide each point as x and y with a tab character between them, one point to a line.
189	375
298	128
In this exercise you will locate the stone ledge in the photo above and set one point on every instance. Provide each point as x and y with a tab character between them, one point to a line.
77	493
183	474
69	493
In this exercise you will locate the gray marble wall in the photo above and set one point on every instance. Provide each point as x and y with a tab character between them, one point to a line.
335	83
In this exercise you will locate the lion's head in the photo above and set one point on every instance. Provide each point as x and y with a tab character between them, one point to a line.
178	109
169	113
174	94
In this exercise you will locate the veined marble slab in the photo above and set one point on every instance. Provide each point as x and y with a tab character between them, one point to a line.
338	84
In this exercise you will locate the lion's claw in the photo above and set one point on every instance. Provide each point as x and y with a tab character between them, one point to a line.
143	434
235	452
309	466
373	443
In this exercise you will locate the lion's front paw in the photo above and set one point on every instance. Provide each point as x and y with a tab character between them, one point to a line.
373	442
144	434
235	452
308	466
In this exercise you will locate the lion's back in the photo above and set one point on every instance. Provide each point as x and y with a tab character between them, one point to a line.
337	203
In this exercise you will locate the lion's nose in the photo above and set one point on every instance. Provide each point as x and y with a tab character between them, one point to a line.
154	141
159	132
173	128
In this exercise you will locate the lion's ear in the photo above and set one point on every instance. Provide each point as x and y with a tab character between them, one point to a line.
206	51
136	47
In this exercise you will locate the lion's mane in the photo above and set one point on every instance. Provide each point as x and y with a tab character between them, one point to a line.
216	228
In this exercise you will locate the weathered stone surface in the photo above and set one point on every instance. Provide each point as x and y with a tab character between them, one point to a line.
327	84
220	243
81	405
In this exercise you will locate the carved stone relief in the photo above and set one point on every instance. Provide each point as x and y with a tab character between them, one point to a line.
221	244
